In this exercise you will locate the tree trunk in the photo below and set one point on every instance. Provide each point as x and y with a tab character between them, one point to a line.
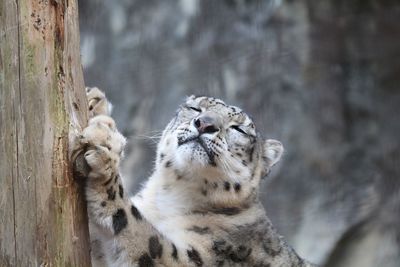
43	220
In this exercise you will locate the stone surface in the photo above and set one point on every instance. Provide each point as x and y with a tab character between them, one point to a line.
321	76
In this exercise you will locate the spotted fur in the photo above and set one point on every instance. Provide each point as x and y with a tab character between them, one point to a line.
200	207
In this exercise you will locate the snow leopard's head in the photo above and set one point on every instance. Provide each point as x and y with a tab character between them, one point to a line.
209	138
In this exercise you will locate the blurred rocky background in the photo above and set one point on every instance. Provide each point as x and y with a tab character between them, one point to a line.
322	76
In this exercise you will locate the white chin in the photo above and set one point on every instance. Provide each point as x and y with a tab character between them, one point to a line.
191	155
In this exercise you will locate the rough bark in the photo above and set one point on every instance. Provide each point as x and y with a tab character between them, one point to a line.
43	220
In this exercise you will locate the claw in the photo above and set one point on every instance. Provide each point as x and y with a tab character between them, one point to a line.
81	168
88	153
98	103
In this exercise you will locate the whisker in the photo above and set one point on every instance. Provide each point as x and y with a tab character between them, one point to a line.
154	138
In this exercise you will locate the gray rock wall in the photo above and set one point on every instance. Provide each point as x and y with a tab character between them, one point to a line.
321	76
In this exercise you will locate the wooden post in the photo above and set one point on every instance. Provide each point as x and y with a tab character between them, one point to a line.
43	220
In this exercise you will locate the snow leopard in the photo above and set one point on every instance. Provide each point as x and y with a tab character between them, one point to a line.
199	207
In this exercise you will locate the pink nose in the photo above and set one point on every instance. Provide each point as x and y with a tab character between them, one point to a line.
205	124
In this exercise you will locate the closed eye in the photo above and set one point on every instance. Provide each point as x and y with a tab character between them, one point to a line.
195	109
237	128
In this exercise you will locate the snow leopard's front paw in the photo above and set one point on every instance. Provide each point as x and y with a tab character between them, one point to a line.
103	145
98	103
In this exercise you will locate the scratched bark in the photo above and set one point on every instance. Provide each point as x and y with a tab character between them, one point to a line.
43	219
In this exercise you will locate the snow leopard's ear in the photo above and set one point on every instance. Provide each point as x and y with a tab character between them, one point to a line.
273	151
